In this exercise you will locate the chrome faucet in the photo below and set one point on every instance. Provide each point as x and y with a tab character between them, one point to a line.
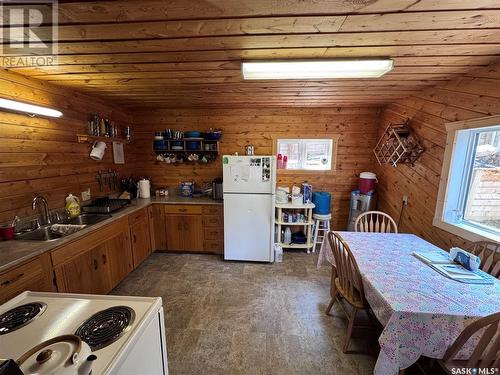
45	207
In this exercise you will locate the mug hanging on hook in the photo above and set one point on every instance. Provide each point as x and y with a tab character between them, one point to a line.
97	151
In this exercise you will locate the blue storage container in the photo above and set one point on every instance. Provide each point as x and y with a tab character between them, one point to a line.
321	199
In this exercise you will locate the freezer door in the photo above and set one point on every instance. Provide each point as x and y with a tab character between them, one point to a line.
249	174
248	227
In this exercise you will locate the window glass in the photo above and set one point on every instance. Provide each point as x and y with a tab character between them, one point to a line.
482	198
307	154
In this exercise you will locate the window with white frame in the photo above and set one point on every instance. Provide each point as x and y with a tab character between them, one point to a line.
469	196
307	154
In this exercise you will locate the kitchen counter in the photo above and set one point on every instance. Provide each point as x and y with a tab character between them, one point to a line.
15	252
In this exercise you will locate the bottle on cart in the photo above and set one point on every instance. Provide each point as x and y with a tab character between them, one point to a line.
287	240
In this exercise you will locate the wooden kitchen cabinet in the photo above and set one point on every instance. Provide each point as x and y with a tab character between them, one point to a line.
140	239
193	233
120	262
197	228
86	273
184	232
34	275
96	263
213	228
174	229
159	237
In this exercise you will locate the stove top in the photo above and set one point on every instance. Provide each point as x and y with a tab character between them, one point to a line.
109	324
105	326
20	316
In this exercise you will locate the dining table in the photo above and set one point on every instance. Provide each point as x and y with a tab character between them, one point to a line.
421	310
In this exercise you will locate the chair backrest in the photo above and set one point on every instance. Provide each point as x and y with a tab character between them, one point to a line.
347	268
486	354
375	221
489	252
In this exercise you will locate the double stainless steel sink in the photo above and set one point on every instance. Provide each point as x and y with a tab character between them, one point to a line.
45	234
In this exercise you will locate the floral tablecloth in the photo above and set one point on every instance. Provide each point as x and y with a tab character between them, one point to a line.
421	310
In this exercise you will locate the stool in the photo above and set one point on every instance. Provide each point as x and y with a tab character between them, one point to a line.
321	223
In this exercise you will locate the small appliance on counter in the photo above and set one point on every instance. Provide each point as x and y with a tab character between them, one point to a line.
217	189
143	189
80	334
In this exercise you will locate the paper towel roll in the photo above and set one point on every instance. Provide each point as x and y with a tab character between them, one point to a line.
144	189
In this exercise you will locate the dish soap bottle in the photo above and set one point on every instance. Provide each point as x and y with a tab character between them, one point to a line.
72	206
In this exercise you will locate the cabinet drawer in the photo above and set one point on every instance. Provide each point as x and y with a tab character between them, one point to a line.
214	246
182	209
213	221
138	216
213	210
214	234
29	276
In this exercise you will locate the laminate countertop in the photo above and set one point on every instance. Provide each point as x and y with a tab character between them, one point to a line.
15	252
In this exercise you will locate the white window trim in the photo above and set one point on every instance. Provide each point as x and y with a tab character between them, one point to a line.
466	231
335	143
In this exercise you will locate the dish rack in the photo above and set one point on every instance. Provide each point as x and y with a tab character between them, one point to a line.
398	145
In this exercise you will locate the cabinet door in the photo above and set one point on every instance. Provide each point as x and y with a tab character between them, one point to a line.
193	233
160	228
141	246
86	273
119	257
174	227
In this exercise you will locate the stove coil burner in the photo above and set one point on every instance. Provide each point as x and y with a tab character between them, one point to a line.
105	326
20	316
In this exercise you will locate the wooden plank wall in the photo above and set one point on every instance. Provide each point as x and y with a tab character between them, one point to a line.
41	155
477	94
357	128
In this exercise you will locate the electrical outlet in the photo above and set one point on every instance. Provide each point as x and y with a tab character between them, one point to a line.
405	200
86	195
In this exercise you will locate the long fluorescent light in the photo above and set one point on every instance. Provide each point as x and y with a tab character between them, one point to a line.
29	108
316	69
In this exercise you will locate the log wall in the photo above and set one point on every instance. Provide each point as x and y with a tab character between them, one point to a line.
475	95
356	127
41	155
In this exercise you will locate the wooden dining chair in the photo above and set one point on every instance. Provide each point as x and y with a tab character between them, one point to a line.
489	252
486	354
375	221
348	284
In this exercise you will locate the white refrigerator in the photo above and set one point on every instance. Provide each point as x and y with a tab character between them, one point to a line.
249	185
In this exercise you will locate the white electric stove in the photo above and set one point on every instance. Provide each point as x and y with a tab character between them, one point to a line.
127	334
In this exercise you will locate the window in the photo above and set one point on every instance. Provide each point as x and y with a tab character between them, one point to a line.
469	196
307	154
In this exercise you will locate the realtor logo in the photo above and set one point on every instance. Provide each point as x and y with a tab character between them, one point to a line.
29	32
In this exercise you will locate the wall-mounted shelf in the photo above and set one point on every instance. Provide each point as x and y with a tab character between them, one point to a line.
87	138
202	146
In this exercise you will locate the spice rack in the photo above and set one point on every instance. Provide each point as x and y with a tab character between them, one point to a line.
306	224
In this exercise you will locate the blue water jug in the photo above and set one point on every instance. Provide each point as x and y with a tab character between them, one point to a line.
321	199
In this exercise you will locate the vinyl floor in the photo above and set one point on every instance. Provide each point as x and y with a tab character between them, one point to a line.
247	318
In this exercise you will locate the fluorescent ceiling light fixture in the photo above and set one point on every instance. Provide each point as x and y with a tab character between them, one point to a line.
29	108
316	69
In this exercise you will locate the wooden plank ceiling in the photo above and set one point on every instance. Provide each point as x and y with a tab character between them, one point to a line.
187	53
